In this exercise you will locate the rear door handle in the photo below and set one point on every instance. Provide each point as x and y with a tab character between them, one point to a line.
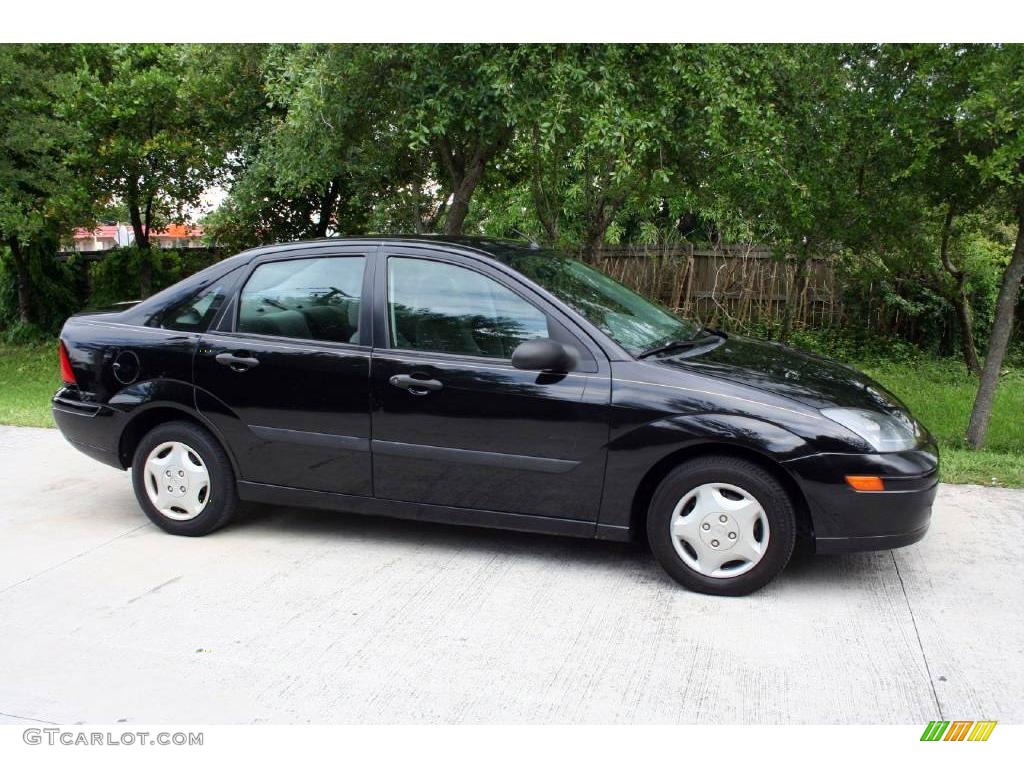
414	385
237	363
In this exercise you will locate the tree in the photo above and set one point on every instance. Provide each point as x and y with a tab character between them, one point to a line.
398	135
154	152
276	192
603	129
995	120
458	104
805	153
40	142
939	149
324	154
326	145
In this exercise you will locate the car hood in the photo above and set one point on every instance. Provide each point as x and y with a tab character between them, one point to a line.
794	373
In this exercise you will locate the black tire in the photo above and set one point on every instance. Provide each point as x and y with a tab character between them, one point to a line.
760	484
222	501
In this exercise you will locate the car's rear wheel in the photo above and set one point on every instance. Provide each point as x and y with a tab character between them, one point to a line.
721	525
183	479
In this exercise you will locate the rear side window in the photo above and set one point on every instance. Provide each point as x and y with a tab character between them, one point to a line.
439	307
304	299
193	313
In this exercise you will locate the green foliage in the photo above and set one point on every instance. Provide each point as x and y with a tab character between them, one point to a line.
40	162
152	143
37	192
857	348
115	278
311	162
614	137
857	153
59	290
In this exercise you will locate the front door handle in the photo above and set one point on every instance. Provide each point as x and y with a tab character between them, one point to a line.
415	385
237	363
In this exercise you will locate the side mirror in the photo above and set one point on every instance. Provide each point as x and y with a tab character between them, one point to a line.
545	355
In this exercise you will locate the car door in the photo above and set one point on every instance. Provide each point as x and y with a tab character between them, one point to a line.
285	377
454	423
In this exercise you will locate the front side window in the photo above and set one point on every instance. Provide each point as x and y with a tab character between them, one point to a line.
633	321
304	299
193	313
439	307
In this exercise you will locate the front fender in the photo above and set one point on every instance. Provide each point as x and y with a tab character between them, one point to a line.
674	431
633	454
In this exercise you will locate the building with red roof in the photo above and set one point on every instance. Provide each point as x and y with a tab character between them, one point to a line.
108	236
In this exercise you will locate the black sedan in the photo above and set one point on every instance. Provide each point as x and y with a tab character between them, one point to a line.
489	383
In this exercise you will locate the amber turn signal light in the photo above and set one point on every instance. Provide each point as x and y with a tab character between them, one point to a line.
865	482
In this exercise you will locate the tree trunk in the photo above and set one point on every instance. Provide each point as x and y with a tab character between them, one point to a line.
140	228
593	239
462	191
465	166
960	300
970	352
417	208
999	339
795	292
327	205
547	213
550	225
23	280
597	226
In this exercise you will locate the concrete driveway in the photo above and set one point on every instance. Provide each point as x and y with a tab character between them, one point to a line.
305	616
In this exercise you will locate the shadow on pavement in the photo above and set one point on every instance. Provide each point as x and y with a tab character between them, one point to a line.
805	567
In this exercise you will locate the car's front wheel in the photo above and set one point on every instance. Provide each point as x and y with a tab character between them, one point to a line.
183	479
721	525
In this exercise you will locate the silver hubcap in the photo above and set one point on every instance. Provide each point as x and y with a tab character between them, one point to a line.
177	481
719	530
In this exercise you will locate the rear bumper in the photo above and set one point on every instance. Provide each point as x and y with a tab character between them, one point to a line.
846	520
89	427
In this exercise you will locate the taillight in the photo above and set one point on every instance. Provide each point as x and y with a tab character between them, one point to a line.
66	373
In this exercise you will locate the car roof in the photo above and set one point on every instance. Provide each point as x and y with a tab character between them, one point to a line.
497	248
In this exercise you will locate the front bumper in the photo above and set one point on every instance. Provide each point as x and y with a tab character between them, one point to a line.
846	520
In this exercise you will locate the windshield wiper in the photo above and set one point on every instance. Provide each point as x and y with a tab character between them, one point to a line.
711	331
688	343
672	345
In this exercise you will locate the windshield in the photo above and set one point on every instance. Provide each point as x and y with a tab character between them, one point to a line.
633	321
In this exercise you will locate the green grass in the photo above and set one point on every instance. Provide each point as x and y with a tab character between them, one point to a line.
29	375
938	391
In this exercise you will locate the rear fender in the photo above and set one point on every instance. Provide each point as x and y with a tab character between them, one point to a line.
148	403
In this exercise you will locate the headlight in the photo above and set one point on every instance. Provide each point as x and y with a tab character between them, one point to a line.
882	431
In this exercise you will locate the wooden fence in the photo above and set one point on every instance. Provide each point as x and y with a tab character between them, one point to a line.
732	285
